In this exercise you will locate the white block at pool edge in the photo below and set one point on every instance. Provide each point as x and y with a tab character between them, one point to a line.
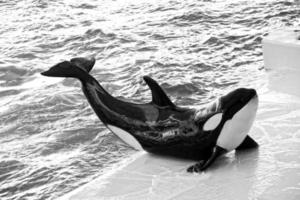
281	49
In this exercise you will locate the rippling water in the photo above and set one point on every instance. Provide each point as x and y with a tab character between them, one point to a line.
50	140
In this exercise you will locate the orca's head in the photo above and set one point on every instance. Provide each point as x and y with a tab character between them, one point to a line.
230	117
239	109
236	100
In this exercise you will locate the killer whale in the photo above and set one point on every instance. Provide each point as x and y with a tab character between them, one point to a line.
161	127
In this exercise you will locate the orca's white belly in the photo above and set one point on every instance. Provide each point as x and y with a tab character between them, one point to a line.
126	137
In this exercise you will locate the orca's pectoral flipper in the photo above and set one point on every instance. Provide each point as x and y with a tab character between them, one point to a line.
204	164
159	96
248	143
76	68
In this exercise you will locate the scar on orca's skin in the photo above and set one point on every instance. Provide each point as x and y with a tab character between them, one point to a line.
163	128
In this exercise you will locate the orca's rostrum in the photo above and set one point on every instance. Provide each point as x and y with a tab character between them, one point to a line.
160	127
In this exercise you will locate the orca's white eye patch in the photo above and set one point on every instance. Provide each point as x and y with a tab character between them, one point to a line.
213	122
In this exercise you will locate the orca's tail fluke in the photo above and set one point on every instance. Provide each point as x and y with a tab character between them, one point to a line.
76	68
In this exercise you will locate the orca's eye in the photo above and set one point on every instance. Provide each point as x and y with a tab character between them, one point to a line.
213	122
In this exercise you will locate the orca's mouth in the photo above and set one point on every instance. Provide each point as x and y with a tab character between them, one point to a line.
249	97
237	103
